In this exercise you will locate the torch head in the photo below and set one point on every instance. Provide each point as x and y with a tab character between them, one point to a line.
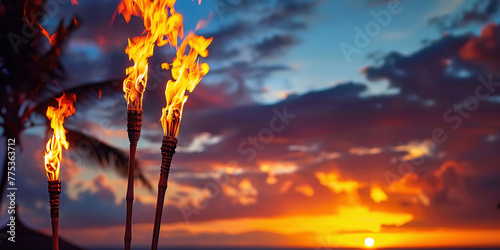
134	124
54	193
169	143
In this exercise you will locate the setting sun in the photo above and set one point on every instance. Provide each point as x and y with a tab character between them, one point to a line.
369	242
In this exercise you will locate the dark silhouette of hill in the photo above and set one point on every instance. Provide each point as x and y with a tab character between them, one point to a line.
27	238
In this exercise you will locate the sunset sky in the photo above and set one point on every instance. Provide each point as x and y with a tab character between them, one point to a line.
320	123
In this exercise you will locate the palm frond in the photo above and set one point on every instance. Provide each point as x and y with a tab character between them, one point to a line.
86	94
90	152
50	62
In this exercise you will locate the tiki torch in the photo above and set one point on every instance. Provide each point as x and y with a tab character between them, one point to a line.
161	27
53	157
134	87
187	73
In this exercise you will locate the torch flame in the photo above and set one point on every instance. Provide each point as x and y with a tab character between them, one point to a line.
187	72
162	27
159	24
53	153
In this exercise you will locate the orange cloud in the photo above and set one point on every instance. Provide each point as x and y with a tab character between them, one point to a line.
286	186
332	181
365	151
377	194
273	169
305	189
416	149
348	219
245	193
408	184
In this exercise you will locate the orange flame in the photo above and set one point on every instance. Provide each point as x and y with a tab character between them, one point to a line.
30	9
52	38
187	72
53	152
158	24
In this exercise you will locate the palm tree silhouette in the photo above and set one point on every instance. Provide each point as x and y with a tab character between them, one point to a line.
29	76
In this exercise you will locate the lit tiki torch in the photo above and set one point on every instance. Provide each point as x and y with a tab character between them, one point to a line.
161	27
53	157
187	73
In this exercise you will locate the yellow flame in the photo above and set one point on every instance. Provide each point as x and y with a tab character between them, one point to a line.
53	152
161	27
187	73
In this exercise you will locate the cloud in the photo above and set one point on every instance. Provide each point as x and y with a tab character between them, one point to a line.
444	72
200	142
484	48
259	33
274	45
333	120
332	181
481	12
305	190
377	194
286	15
442	191
245	193
361	218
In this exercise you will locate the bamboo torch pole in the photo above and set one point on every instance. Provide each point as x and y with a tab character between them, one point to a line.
169	143
168	146
134	124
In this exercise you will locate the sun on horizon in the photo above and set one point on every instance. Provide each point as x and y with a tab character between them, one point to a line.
369	242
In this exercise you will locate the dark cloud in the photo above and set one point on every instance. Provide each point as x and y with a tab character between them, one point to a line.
223	46
280	17
438	71
287	15
274	45
482	11
261	30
